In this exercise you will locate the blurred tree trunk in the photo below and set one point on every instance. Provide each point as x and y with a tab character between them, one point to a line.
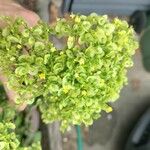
45	141
55	136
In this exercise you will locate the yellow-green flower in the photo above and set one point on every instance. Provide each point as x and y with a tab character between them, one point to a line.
84	93
42	76
109	109
77	19
66	89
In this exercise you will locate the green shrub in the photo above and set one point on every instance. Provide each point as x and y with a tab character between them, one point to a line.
75	83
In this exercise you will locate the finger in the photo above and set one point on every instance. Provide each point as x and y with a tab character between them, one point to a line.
15	10
31	17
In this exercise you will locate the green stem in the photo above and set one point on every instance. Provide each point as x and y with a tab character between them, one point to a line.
79	138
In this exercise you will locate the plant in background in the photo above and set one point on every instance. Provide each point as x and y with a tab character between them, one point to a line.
75	83
14	128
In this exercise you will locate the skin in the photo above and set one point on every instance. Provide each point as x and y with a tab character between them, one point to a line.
13	9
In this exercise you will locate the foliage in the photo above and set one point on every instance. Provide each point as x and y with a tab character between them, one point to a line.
12	129
7	136
75	83
9	140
